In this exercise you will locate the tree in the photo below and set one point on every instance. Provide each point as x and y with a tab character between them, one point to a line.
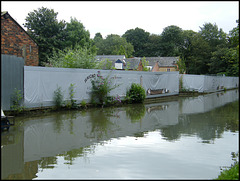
97	37
171	41
181	65
196	53
213	36
234	36
43	26
225	59
76	34
145	63
114	45
137	37
77	57
153	46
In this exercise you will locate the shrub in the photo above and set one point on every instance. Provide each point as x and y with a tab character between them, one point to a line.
58	97
77	57
231	173
101	88
136	94
16	100
83	103
71	96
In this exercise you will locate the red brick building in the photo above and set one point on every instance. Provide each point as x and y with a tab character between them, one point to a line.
16	41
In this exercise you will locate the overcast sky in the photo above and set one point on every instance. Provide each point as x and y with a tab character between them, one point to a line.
116	17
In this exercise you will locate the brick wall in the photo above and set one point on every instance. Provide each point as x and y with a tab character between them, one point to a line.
15	41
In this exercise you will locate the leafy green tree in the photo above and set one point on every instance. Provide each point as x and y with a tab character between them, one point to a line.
105	64
137	37
113	45
122	51
153	46
213	36
181	65
97	37
76	34
43	26
196	52
234	36
225	59
145	63
78	57
171	41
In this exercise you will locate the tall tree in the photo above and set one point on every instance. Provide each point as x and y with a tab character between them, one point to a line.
196	53
214	36
97	37
225	60
234	36
137	37
171	41
113	45
43	26
76	34
153	46
77	57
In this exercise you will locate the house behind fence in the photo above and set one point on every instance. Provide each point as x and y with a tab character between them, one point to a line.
16	41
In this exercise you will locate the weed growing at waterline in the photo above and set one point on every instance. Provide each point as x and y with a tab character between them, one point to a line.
58	97
17	100
83	104
72	104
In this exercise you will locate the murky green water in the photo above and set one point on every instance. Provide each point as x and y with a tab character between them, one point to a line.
189	138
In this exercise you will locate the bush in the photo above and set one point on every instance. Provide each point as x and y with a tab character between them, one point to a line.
77	57
71	96
58	97
136	94
17	100
231	173
101	88
83	103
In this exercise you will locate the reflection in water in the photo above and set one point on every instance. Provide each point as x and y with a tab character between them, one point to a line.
115	142
135	113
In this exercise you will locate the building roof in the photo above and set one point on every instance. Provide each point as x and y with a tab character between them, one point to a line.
6	15
128	63
118	61
162	61
110	57
133	63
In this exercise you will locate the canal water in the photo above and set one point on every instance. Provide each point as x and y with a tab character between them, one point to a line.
185	138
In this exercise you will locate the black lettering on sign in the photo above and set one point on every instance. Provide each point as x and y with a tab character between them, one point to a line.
89	77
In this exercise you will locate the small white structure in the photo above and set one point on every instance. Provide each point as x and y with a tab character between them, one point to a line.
119	64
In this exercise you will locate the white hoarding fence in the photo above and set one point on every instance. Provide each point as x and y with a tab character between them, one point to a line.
41	82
